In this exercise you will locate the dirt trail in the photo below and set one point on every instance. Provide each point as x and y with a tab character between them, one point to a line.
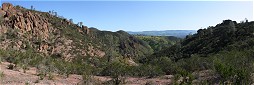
18	77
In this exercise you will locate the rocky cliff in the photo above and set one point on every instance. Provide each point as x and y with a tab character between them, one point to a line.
22	29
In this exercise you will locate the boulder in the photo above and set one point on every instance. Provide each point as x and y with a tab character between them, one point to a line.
6	6
29	26
85	29
2	13
8	14
20	14
35	23
4	29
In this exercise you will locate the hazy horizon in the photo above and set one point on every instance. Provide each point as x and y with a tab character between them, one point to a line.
145	15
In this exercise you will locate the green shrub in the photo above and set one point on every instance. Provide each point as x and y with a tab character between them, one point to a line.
234	66
50	76
1	74
41	76
114	69
10	66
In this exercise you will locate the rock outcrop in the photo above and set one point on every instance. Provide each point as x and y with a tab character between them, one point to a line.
33	29
22	29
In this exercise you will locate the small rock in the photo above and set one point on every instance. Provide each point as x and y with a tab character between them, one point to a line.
8	14
19	42
168	77
4	29
20	14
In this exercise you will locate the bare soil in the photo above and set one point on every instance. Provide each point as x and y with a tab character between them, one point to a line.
18	77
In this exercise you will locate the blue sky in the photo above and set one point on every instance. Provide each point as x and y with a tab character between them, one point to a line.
145	15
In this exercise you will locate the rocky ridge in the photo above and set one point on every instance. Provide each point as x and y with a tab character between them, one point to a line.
50	35
22	28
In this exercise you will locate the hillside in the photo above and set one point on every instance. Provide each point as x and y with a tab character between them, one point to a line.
49	49
53	44
228	35
51	35
159	43
224	52
176	33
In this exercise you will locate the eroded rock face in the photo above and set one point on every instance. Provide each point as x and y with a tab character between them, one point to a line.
95	52
6	6
27	21
8	10
22	29
85	29
2	13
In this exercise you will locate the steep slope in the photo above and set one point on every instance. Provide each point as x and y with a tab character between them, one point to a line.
159	43
218	54
227	35
50	35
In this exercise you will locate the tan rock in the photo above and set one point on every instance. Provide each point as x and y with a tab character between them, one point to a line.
84	53
19	42
6	6
29	26
35	23
85	29
18	19
79	30
100	53
22	19
6	19
20	25
45	26
8	14
2	13
43	48
20	14
4	29
13	11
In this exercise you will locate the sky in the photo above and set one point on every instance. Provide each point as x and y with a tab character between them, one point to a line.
144	15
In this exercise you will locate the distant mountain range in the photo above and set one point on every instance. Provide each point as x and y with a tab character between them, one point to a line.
176	33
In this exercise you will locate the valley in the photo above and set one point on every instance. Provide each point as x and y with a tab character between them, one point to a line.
41	48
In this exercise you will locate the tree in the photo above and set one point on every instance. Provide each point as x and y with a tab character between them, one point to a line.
81	24
246	20
32	7
71	20
55	13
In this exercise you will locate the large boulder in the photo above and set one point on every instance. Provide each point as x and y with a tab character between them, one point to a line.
6	6
20	13
2	13
85	29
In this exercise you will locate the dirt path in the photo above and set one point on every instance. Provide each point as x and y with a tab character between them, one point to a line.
17	77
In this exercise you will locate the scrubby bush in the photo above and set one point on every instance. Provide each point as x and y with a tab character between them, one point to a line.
234	66
1	74
10	66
